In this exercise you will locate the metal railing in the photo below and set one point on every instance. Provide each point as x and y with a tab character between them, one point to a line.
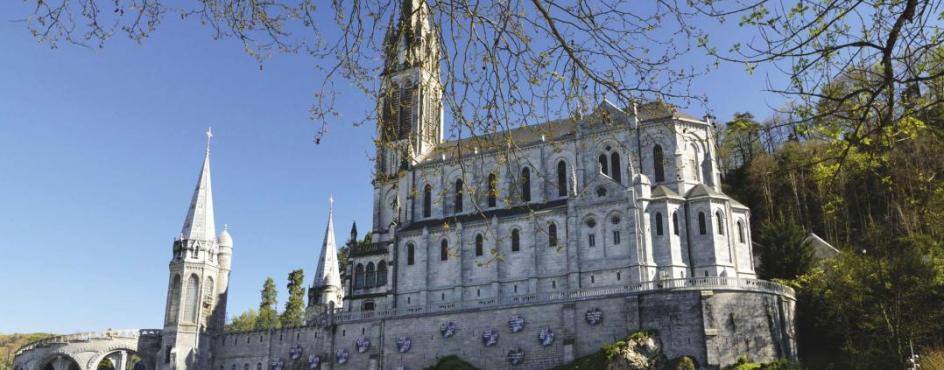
699	283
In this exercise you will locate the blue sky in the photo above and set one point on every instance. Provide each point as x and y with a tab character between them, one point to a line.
100	150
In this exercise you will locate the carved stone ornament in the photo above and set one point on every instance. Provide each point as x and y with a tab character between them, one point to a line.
593	316
404	344
342	355
295	352
489	337
546	337
447	329
516	323
314	361
362	344
515	356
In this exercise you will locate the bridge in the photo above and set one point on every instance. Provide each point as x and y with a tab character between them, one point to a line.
110	349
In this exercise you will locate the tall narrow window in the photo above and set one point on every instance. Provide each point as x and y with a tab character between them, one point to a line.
675	227
562	179
616	237
209	291
427	200
444	250
193	299
702	227
359	276
410	252
657	163
603	166
658	223
515	240
526	184
478	245
370	276
458	201
173	307
720	222
492	190
615	167
591	240
382	273
740	232
552	235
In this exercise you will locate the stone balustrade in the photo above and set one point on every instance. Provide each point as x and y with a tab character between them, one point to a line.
697	283
88	337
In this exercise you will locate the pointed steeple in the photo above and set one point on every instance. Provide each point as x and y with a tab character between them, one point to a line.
327	273
412	41
200	224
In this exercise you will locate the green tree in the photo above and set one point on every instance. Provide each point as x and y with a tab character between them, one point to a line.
785	252
246	321
268	317
294	313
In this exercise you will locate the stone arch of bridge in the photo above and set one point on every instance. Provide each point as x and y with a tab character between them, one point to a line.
118	358
60	361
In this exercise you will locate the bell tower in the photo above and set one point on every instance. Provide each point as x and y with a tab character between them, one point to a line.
198	282
410	101
409	110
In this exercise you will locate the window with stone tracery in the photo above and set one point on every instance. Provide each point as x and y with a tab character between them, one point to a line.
193	299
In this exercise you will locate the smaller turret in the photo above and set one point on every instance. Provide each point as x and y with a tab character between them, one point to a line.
326	293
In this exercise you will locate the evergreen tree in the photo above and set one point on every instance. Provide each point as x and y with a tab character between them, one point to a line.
268	317
295	307
785	252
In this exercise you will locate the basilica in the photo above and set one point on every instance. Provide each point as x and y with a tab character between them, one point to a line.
525	249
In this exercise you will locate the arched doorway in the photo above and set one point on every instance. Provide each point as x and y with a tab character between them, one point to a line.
61	362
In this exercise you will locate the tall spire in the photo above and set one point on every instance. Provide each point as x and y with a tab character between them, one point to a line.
200	224
327	274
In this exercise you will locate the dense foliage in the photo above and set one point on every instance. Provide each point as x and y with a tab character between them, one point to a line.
268	316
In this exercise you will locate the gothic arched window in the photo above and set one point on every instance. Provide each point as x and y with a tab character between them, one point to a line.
562	179
492	190
359	276
603	167
526	184
615	167
658	223
515	240
658	165
740	231
720	222
478	245
173	307
371	276
410	252
702	227
427	200
382	273
675	226
193	299
552	235
444	250
457	207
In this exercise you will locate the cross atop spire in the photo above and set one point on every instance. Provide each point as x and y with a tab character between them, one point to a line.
209	135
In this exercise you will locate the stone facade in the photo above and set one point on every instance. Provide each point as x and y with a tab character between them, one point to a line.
525	248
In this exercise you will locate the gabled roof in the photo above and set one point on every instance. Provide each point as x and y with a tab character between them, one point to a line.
662	191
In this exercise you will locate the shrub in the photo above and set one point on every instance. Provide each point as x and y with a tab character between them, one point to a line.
683	363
